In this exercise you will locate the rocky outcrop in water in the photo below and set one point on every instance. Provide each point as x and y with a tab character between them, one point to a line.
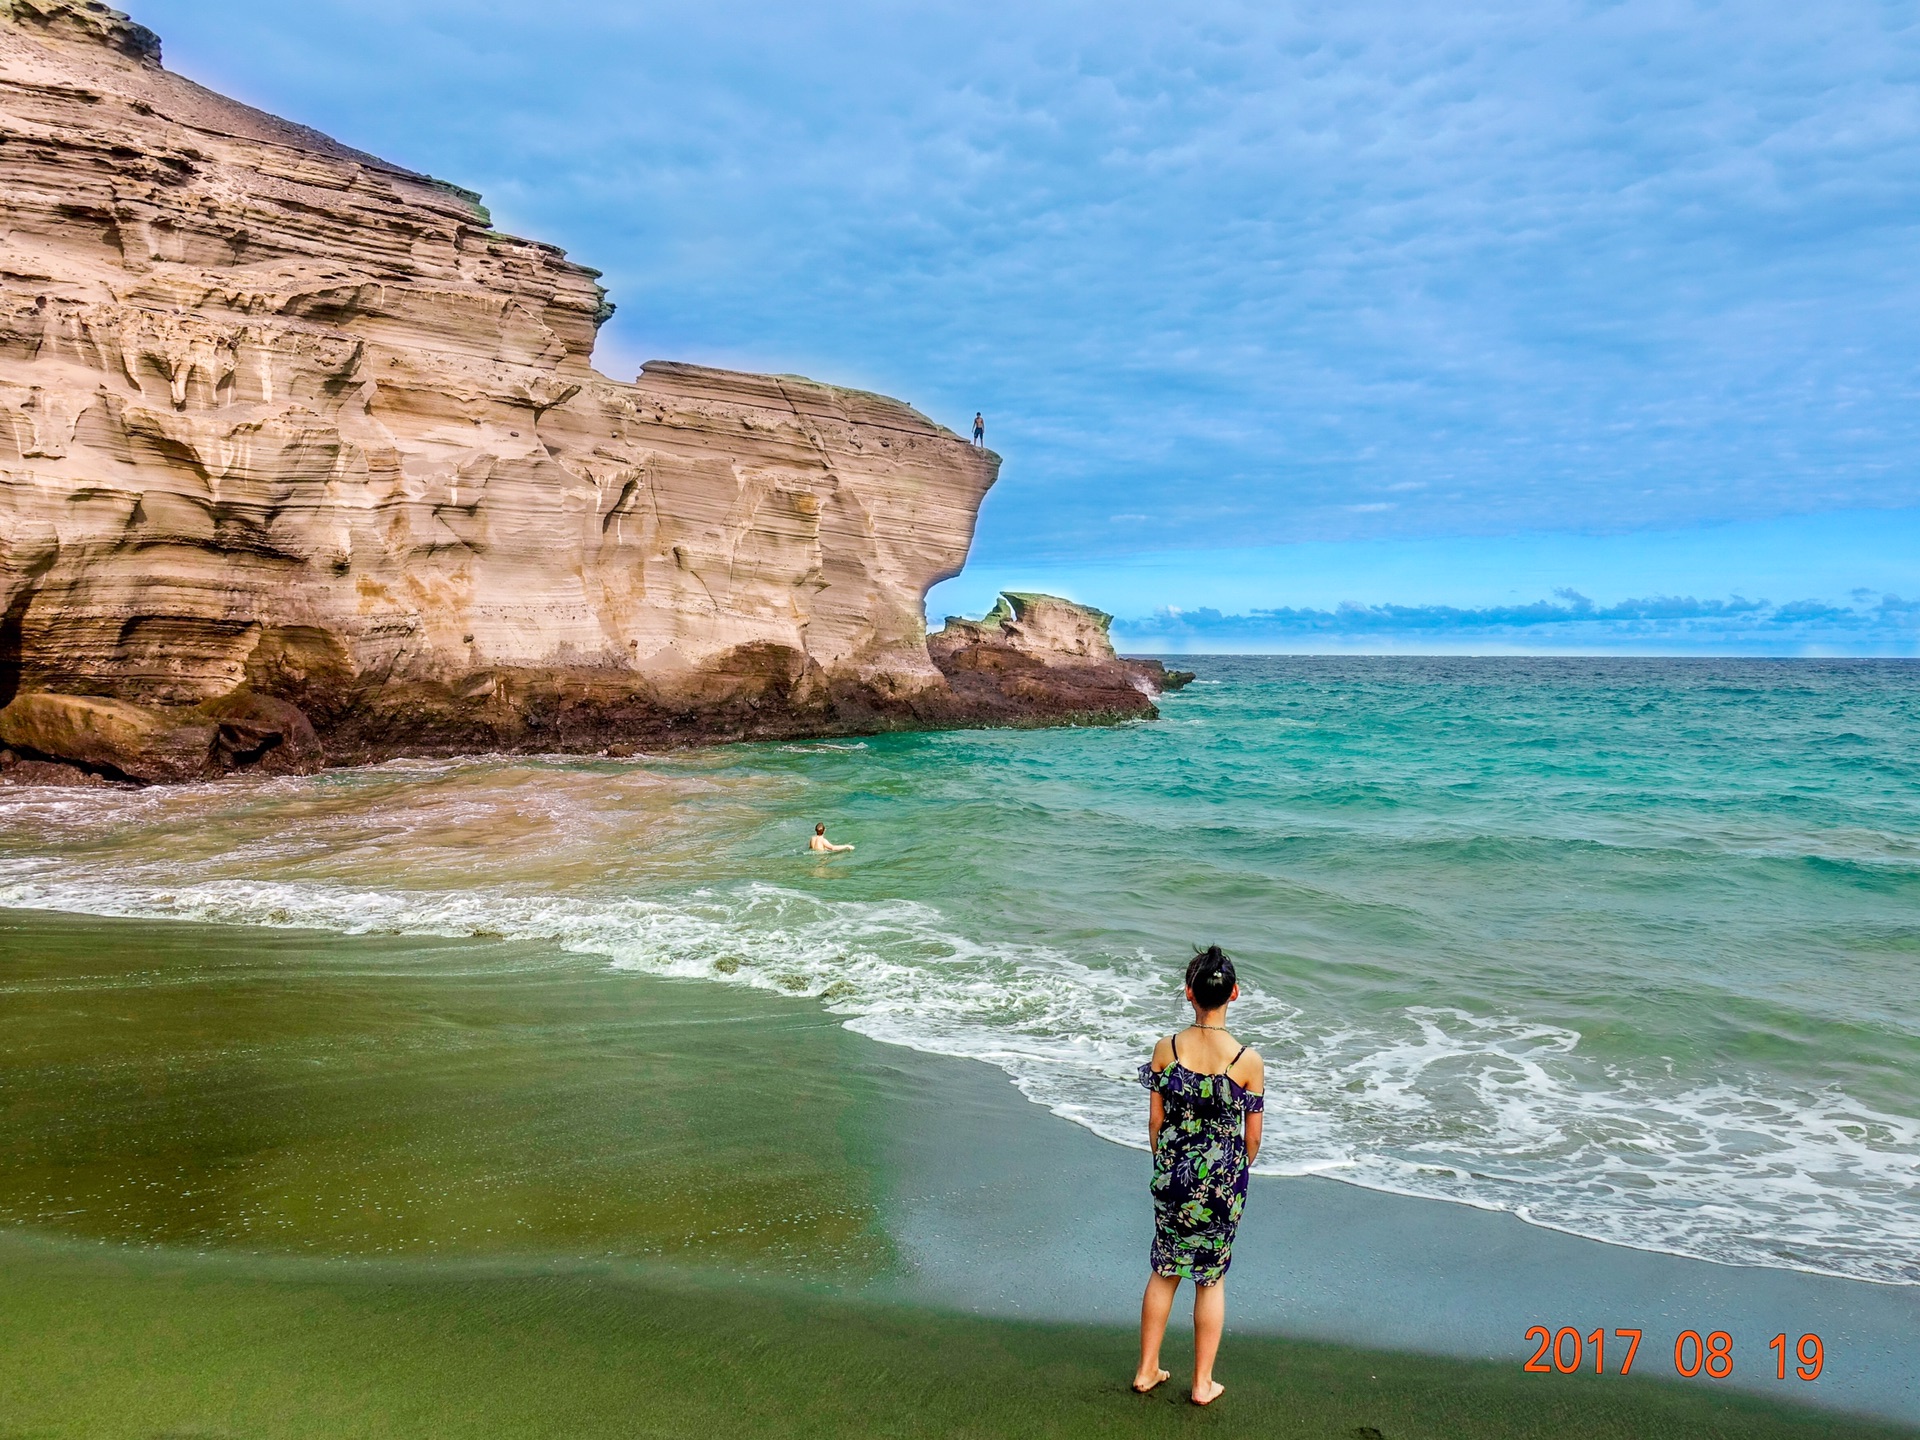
300	457
1033	657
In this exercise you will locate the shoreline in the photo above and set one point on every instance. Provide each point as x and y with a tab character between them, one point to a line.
592	955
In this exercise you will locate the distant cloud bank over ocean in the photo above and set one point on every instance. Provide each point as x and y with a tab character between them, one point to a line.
1883	624
1842	583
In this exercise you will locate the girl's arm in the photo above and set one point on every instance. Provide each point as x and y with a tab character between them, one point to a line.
1256	1121
1156	1106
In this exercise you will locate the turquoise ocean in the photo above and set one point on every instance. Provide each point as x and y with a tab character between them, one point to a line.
1628	948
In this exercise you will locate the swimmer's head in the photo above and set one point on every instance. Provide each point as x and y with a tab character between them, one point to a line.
819	829
1211	978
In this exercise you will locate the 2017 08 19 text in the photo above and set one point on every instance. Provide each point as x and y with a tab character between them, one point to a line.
1565	1351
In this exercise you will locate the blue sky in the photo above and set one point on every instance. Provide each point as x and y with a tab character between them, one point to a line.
1300	327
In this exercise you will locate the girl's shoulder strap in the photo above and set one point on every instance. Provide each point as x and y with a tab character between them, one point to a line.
1174	1040
1236	1059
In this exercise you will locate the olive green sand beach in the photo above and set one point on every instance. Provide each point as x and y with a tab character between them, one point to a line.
166	1346
277	1183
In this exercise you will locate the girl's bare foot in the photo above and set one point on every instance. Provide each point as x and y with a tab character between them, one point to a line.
1144	1382
1208	1393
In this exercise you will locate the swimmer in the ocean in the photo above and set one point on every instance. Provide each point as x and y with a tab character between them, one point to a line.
820	841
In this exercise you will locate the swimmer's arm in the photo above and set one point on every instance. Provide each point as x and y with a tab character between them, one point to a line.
839	847
1256	1081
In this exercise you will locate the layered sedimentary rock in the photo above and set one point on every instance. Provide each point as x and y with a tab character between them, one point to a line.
1037	656
284	425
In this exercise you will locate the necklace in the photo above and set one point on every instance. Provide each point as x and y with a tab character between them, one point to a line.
1198	1026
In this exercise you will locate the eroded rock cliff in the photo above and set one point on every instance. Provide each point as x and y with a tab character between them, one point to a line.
282	424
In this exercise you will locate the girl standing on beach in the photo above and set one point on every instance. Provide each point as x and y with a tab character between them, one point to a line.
1203	1125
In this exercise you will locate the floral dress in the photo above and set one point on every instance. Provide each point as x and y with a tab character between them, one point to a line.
1199	1169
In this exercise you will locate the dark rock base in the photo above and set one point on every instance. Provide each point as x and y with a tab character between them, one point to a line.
544	712
1049	664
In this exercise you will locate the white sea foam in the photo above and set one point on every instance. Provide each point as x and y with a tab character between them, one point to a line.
1487	1110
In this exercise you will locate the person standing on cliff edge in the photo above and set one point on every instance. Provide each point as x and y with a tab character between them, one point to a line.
979	430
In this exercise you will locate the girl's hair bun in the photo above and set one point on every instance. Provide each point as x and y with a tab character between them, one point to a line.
1211	977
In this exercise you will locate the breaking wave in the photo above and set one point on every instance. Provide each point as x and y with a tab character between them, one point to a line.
1483	1109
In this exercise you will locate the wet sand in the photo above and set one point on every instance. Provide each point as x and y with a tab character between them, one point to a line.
119	1345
